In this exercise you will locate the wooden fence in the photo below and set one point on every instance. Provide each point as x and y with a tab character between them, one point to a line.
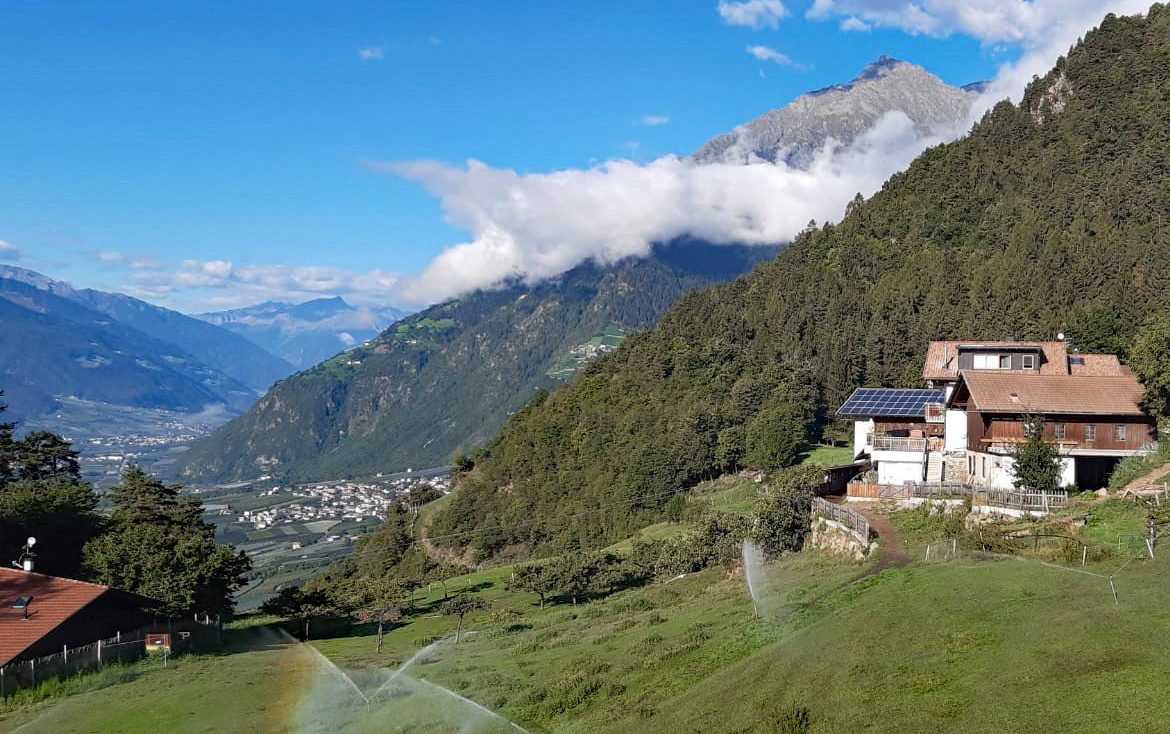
909	490
1009	498
118	649
28	673
1016	499
875	491
847	517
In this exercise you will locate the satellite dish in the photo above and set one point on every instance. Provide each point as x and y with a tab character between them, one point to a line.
31	541
1060	336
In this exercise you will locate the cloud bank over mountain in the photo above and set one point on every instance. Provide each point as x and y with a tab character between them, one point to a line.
536	225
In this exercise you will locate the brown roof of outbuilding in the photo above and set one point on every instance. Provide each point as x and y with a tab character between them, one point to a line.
55	600
1096	365
942	357
993	392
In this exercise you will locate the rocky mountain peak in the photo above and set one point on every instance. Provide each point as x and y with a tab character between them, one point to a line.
841	112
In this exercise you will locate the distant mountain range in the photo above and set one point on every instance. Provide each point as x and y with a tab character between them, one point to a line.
842	112
306	333
108	348
449	377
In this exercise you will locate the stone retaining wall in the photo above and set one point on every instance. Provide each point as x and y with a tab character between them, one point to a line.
838	539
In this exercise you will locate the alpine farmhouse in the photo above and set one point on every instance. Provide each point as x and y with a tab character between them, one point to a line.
962	427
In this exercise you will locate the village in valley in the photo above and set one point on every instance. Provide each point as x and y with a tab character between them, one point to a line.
291	531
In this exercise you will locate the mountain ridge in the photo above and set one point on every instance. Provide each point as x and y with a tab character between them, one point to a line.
218	348
53	346
448	377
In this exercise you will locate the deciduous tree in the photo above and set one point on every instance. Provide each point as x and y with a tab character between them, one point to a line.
159	546
460	606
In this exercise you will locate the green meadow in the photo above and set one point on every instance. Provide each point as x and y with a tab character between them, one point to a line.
973	643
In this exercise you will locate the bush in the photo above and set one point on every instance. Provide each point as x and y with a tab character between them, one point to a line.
789	720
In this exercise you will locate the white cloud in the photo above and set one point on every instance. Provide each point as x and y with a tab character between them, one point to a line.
765	53
856	25
371	53
129	260
219	284
9	251
652	120
1028	22
754	14
533	226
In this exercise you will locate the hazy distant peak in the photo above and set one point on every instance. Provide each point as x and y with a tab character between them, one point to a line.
37	280
305	333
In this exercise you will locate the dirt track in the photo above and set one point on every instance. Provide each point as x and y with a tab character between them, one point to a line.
890	553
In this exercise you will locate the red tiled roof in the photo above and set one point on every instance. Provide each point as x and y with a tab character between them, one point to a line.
942	357
55	600
993	392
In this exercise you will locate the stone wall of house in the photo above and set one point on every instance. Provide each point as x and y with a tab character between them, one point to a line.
833	537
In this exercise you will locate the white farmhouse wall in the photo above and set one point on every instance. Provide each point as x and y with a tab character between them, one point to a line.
861	431
899	472
998	471
955	437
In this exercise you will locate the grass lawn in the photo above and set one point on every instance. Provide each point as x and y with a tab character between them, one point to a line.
827	455
658	531
966	645
962	647
252	688
735	493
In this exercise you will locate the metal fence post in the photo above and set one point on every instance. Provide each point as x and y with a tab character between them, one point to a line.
99	653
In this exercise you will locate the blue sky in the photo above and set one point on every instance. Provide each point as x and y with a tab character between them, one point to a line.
238	136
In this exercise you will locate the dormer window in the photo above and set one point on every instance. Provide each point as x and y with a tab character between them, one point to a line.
989	361
1028	361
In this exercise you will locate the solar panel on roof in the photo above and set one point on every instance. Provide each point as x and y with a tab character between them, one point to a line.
889	402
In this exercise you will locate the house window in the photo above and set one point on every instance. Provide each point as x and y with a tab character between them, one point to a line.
1119	432
986	361
1029	361
1058	429
1090	432
1005	362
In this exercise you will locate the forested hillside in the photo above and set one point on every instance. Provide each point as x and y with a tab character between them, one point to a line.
450	376
1050	216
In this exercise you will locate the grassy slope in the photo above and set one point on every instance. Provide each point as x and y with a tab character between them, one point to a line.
237	692
1004	646
965	646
